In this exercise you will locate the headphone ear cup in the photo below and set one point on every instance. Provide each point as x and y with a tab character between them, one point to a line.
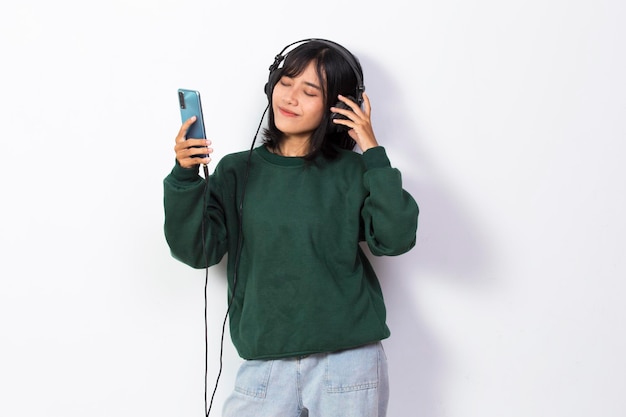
271	82
340	105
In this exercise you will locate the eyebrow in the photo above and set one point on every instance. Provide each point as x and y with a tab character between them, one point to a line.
310	84
307	83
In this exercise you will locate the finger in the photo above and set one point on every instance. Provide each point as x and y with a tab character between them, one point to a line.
182	132
194	156
348	123
198	146
198	151
191	143
190	156
355	109
367	105
195	160
349	102
192	162
347	113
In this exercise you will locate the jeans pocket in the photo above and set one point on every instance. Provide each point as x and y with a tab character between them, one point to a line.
353	369
253	378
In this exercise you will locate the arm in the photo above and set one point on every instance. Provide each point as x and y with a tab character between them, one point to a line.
192	208
389	212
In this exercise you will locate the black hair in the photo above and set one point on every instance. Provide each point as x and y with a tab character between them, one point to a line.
337	77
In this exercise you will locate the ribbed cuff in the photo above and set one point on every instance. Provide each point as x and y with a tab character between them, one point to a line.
376	157
185	174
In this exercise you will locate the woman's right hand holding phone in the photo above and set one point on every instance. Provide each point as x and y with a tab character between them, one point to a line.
188	150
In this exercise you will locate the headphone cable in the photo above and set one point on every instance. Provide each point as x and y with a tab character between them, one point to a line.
206	279
209	405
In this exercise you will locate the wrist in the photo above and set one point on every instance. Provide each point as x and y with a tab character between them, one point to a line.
368	145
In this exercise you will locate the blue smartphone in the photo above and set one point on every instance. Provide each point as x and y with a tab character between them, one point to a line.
190	105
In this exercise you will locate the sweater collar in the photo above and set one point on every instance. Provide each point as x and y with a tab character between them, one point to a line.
286	161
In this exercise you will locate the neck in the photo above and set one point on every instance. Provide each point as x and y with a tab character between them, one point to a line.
293	147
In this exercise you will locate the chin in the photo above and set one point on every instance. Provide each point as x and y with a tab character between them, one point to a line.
286	128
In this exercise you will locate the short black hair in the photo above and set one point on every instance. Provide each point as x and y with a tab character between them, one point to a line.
337	77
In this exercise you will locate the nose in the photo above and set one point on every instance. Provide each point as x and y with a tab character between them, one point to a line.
289	96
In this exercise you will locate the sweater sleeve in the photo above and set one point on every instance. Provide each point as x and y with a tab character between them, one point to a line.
389	212
193	210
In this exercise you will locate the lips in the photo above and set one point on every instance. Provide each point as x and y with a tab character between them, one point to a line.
286	112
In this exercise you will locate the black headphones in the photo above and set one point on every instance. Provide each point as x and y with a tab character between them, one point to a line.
348	56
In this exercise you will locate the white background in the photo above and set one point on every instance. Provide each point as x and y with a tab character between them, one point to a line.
505	118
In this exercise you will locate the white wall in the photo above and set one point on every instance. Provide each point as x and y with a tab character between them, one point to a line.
506	119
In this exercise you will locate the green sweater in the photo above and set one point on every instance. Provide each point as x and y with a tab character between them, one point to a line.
303	283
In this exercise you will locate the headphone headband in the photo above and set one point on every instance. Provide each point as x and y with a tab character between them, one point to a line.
348	56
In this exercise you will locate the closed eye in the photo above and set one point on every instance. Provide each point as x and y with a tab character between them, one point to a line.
311	89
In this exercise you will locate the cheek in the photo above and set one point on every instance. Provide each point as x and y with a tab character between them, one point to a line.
314	106
317	112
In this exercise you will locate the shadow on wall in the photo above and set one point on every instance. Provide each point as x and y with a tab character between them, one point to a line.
448	247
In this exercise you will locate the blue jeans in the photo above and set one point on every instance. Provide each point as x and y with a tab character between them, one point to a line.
348	383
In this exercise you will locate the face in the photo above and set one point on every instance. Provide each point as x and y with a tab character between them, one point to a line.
298	104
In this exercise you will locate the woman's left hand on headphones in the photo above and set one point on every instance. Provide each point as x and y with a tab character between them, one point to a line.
358	121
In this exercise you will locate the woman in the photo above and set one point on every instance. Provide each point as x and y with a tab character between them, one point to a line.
306	309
